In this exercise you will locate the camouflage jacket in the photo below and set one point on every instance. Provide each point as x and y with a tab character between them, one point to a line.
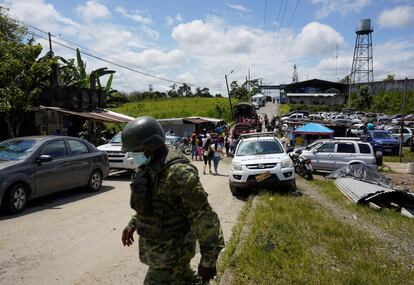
180	213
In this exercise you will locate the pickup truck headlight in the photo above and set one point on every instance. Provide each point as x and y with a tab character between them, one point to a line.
287	162
236	166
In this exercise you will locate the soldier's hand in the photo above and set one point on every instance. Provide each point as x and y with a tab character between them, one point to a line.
128	236
206	273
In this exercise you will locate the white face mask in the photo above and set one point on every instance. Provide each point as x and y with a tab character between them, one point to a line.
139	158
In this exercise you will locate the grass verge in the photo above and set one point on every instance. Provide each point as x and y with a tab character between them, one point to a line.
295	241
284	108
387	219
408	156
178	108
227	256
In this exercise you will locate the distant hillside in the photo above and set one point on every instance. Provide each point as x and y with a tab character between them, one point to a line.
178	107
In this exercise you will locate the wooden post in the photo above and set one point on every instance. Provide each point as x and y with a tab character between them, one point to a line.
402	118
228	93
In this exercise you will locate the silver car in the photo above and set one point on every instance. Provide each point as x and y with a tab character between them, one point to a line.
334	153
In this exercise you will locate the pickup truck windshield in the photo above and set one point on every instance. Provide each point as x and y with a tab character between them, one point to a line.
116	139
382	135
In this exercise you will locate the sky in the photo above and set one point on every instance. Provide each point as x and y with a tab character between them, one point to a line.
199	42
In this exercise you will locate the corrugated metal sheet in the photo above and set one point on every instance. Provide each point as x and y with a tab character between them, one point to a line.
359	191
97	115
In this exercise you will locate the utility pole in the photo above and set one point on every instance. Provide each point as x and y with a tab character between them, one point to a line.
50	45
228	93
402	118
349	91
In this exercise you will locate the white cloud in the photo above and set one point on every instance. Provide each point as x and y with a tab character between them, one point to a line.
400	16
316	39
173	20
341	6
92	10
238	7
143	21
135	16
41	15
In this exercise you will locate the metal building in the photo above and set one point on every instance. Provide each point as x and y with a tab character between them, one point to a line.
362	64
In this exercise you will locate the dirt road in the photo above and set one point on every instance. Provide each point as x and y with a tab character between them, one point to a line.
74	237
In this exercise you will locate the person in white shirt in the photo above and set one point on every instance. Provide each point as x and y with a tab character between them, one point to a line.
218	151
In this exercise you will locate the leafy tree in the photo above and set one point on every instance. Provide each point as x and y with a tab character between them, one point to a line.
20	74
184	91
218	95
238	92
390	77
172	93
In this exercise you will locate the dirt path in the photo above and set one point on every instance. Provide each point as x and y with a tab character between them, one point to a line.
74	237
399	246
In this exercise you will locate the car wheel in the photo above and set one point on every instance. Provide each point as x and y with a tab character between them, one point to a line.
95	181
378	158
235	191
15	199
409	142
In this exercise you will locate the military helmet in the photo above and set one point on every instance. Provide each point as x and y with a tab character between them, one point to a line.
143	132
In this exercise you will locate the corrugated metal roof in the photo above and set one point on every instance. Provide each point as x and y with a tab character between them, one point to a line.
359	191
97	115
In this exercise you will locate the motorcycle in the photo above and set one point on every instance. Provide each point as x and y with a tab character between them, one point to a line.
184	147
303	167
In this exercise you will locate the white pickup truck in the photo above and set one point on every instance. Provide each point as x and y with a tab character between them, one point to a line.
117	158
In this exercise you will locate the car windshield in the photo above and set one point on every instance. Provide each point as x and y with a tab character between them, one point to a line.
16	149
116	139
382	135
259	147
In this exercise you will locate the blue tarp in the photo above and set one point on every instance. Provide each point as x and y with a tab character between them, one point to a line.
313	129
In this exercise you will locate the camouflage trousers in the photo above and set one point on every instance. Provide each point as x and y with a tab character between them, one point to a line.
178	275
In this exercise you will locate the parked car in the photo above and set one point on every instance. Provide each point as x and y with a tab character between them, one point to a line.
357	130
332	154
260	161
294	116
31	167
118	159
256	105
396	133
383	141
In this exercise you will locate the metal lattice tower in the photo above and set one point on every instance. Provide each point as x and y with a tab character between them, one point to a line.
362	64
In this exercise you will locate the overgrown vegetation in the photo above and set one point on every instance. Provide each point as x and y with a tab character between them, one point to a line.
388	102
178	108
227	256
295	241
407	156
389	220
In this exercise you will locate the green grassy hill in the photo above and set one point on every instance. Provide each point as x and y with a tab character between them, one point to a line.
178	107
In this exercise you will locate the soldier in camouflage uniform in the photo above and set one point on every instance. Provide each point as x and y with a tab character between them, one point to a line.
172	210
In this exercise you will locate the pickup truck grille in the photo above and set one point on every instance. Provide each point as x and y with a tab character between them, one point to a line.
261	165
116	154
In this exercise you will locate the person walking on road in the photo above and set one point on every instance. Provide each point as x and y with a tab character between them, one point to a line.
207	153
194	146
171	210
217	152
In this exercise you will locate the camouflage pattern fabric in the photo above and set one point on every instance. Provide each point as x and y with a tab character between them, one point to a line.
165	243
178	275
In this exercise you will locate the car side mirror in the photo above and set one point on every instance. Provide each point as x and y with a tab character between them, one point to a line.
44	158
290	149
314	151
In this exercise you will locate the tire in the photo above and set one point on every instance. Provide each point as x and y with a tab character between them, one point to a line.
15	199
309	175
95	181
378	158
235	191
187	150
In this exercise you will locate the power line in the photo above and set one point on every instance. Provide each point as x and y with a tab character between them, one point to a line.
95	56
